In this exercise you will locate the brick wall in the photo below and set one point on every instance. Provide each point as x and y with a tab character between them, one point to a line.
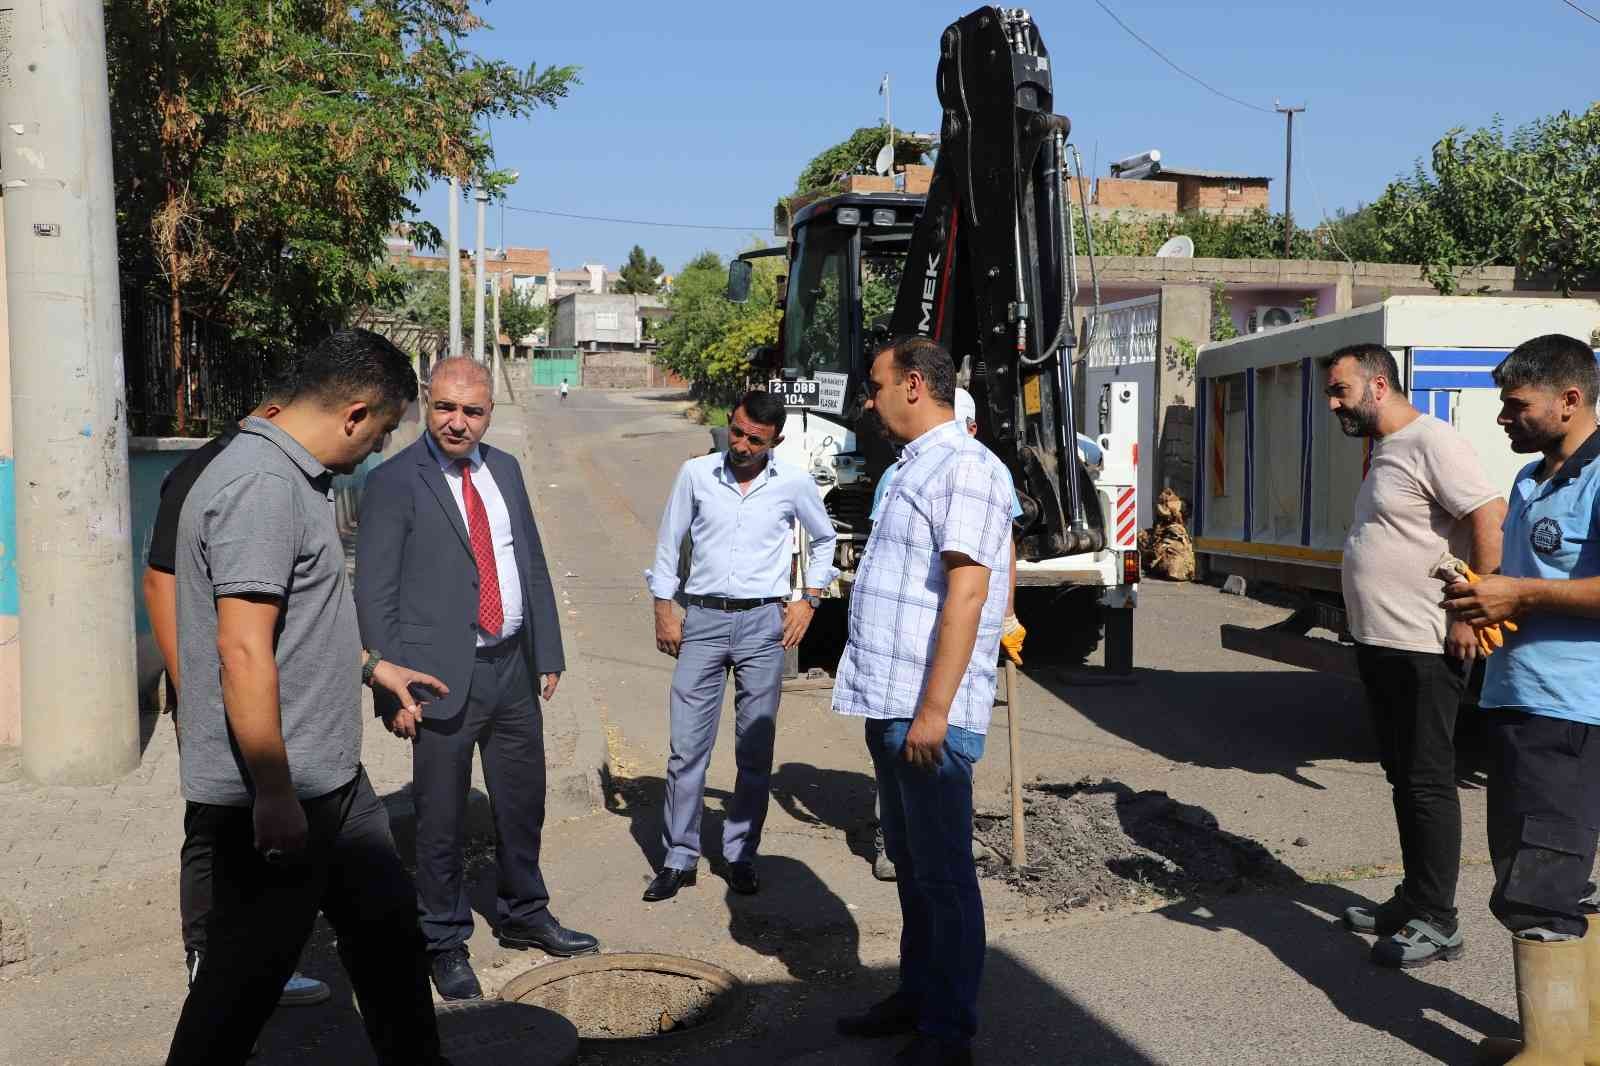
1142	195
869	183
917	179
1205	194
1087	187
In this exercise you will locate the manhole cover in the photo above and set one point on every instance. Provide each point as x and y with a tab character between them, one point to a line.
630	996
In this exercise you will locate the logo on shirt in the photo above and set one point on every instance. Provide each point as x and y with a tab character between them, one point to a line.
1545	536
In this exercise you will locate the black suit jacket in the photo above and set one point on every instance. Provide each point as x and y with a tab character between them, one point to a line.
416	580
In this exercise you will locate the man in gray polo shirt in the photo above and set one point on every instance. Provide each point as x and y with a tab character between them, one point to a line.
272	664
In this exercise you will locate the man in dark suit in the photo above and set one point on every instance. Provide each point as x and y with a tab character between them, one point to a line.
451	579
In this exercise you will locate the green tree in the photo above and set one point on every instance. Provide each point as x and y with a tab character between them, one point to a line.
640	274
521	315
856	155
1256	235
424	296
265	151
1530	200
701	313
708	340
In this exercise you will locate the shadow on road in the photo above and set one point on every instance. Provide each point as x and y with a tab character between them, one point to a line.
795	918
1024	1021
1264	722
834	799
1306	937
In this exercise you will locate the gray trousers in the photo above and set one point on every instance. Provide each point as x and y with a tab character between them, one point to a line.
751	643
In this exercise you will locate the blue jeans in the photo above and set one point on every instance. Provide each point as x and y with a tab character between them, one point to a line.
927	833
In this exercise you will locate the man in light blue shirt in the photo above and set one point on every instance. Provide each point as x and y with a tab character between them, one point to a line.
739	510
919	667
1539	692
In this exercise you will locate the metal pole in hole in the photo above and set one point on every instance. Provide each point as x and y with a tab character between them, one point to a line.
1019	844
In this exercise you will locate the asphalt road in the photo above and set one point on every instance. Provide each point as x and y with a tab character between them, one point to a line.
1276	755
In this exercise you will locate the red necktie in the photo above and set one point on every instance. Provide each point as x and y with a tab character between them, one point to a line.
491	614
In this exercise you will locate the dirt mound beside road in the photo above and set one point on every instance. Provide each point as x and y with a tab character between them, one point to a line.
1105	846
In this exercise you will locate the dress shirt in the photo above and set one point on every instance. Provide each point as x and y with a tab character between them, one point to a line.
742	542
951	494
505	555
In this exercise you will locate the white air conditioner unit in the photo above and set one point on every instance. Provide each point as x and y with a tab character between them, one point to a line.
1270	316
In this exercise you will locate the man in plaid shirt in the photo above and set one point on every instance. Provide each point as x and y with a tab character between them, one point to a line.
925	618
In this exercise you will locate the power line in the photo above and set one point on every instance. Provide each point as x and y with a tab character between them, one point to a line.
1198	81
1580	10
632	221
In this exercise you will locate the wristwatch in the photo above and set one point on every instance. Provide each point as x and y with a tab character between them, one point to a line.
814	601
369	665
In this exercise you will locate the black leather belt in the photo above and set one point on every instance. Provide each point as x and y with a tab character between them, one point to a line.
723	603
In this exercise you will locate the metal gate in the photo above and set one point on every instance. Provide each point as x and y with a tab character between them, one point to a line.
548	367
1125	346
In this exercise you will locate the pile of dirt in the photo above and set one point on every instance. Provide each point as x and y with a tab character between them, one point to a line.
1103	845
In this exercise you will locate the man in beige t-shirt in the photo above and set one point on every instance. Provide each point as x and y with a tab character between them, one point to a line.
1424	493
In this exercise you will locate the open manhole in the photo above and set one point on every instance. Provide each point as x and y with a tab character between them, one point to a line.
629	996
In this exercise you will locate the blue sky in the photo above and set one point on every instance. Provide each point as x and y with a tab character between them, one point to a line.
704	113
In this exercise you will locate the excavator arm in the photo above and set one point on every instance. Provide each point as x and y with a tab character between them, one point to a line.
988	273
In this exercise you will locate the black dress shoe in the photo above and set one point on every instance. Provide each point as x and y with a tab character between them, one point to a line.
927	1051
453	976
892	1017
742	878
550	936
667	883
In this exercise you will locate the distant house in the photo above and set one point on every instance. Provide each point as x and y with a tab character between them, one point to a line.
609	330
1216	191
604	322
525	271
591	278
1169	190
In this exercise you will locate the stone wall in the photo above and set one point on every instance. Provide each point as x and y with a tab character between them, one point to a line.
626	370
1175	460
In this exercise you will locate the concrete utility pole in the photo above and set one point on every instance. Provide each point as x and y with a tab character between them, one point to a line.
455	266
80	714
481	195
494	363
1288	174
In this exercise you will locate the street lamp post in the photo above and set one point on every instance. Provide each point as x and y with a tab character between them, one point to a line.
481	195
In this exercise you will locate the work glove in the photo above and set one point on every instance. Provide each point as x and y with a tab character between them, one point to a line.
1012	634
1449	569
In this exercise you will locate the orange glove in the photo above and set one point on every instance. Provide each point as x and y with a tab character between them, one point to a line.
1449	569
1012	634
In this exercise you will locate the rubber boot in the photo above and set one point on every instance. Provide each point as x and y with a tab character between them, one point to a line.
1500	1049
1552	1001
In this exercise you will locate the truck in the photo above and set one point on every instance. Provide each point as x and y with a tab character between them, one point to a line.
984	264
1276	479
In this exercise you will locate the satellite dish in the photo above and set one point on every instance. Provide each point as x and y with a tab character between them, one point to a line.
885	160
1177	248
